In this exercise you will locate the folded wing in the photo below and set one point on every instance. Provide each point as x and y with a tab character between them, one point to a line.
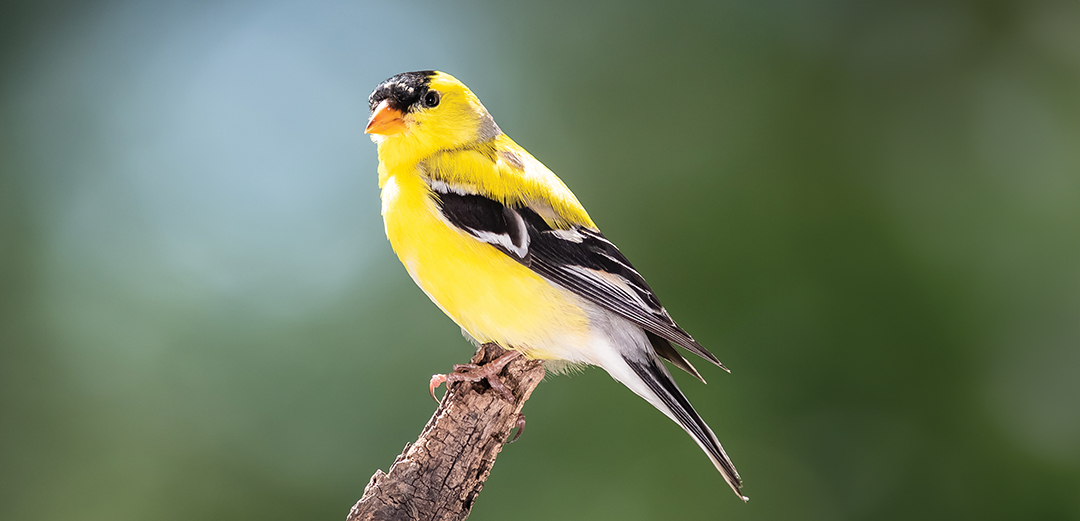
577	258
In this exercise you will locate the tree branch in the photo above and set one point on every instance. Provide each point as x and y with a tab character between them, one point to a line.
439	476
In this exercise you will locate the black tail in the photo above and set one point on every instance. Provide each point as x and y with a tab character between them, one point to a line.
663	348
659	381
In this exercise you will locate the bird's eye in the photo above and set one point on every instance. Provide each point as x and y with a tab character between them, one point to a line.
431	99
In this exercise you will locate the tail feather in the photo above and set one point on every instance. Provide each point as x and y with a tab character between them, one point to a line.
671	401
663	348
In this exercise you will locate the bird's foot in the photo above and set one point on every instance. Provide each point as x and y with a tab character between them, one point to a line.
475	373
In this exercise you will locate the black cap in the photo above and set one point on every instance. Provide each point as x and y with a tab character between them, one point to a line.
403	90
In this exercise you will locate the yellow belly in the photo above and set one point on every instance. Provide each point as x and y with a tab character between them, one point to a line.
488	294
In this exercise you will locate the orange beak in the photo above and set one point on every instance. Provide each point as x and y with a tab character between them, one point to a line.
385	121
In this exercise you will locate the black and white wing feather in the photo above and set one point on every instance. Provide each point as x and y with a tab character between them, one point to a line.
485	219
579	259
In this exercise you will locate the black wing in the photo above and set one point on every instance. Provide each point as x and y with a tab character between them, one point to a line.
487	220
579	259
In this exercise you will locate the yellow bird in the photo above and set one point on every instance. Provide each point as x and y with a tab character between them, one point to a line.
503	247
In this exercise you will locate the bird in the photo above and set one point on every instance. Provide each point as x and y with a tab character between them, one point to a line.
500	244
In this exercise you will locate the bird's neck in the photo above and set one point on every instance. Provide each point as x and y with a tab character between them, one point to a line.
396	157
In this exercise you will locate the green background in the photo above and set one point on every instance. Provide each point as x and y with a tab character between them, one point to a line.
869	211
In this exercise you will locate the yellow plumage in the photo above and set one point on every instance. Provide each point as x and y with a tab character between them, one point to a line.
503	247
491	296
488	294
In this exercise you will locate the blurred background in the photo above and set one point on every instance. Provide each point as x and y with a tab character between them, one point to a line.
869	211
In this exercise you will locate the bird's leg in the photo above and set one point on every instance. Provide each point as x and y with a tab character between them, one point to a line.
475	373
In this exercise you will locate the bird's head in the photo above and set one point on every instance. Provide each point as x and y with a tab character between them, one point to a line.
419	113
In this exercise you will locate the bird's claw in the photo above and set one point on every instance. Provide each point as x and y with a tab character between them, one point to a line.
475	373
520	424
436	381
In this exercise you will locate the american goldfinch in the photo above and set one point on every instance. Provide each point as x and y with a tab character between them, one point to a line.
503	247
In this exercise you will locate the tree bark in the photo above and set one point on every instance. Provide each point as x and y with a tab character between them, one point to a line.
439	476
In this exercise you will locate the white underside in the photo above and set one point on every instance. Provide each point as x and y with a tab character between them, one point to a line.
611	338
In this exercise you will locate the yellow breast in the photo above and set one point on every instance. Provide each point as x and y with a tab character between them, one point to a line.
488	294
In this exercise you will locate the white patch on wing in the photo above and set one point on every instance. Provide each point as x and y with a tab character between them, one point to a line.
505	240
522	232
619	262
599	237
444	188
501	239
568	235
615	285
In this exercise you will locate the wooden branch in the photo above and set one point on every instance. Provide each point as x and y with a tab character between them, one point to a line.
439	476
